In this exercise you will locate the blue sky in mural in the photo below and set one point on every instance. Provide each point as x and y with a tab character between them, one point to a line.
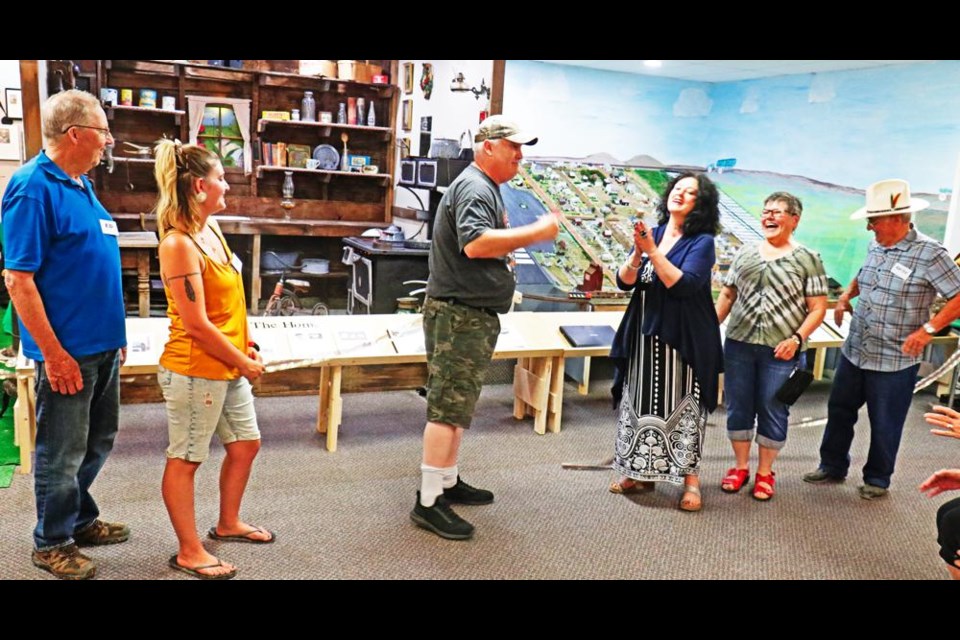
848	128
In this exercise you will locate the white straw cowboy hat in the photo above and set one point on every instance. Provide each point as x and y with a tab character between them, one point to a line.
888	197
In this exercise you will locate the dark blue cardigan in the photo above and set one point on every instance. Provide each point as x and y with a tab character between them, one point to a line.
682	316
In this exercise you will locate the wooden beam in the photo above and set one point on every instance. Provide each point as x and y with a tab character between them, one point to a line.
30	95
496	86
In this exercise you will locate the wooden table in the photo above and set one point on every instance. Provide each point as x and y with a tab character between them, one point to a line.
136	247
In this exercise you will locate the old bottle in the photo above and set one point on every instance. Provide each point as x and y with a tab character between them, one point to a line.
372	116
361	111
351	111
342	114
308	107
287	190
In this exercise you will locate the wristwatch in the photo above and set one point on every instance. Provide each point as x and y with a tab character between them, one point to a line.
929	329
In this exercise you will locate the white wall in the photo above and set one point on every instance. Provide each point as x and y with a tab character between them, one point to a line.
453	113
9	77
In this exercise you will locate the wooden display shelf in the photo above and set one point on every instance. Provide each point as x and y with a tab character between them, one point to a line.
322	83
325	174
326	128
124	107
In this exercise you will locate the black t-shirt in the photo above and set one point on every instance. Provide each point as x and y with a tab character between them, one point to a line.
471	206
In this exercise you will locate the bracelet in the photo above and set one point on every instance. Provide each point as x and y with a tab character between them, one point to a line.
629	265
253	345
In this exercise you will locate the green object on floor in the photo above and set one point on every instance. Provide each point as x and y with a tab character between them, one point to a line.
9	452
6	475
7	327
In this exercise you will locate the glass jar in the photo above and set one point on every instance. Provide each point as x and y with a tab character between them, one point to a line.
308	107
295	114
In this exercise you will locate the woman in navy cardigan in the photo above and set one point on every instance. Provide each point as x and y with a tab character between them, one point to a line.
667	349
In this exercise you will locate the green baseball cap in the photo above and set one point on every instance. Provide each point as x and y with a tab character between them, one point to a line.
496	127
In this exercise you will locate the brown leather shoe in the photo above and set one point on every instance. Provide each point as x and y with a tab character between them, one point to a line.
101	532
67	563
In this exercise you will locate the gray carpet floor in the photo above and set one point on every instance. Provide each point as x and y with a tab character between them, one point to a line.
345	515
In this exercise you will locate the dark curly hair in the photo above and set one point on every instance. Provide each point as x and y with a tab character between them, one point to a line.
705	217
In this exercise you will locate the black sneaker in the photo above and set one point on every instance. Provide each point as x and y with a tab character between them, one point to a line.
441	519
462	493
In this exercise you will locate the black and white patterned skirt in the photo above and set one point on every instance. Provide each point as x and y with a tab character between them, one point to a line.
661	421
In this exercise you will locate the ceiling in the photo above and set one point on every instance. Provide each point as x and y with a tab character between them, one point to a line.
729	70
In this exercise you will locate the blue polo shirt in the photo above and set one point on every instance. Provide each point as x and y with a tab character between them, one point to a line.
59	231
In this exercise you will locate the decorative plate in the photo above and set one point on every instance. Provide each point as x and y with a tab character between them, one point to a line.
327	156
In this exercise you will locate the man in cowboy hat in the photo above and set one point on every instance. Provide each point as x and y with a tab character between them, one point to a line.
903	273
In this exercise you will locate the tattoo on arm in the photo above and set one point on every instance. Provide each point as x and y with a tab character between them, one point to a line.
191	294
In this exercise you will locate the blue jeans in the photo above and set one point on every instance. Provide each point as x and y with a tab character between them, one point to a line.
750	385
74	436
888	395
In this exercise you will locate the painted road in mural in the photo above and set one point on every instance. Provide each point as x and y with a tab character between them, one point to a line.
524	208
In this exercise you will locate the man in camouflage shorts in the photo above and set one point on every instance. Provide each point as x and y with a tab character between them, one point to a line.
470	283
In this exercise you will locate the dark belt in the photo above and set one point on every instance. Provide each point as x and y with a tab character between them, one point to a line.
486	310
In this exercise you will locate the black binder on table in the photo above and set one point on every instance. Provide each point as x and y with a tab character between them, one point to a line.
599	335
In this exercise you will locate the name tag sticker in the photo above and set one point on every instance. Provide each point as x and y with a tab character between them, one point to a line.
109	228
237	264
901	271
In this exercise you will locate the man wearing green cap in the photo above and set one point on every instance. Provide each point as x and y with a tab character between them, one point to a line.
470	283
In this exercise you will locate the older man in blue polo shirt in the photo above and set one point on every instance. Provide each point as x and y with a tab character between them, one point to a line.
903	273
63	274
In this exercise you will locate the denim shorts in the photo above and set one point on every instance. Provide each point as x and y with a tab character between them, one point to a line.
198	407
750	383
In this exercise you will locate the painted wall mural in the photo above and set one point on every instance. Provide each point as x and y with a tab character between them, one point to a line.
823	137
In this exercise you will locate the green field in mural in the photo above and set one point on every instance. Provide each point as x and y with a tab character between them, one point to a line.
825	226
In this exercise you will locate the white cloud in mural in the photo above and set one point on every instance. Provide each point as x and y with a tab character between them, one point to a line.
823	88
692	103
751	101
550	86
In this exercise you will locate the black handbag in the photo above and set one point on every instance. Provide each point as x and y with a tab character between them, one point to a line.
793	388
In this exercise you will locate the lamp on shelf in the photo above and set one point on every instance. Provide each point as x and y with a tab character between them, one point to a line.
459	84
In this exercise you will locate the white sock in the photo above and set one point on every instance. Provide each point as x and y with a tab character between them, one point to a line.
450	476
431	484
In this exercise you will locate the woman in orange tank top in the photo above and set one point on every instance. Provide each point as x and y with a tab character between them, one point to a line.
207	364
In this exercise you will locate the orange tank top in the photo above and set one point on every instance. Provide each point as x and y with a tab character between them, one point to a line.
226	308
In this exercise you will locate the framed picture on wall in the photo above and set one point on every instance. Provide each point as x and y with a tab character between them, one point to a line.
10	142
14	104
408	77
407	113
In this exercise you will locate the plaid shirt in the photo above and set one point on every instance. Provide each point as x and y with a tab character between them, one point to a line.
897	286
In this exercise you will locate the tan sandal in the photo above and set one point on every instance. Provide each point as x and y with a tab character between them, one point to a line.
635	487
687	505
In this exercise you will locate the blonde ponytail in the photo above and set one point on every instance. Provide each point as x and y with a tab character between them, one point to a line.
177	165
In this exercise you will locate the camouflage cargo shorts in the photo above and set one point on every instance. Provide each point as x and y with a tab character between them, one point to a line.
460	342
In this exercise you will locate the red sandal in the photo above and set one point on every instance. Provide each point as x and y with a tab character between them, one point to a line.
763	486
734	480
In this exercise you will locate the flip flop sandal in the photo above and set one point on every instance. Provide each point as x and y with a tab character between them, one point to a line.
195	571
734	480
763	487
241	537
685	505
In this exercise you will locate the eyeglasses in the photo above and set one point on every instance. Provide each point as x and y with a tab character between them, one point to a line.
775	212
103	131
